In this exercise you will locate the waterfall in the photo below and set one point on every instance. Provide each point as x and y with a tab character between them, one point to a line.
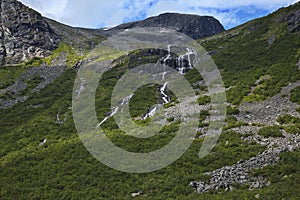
165	60
150	113
181	58
115	110
58	121
189	53
43	142
181	64
124	102
165	97
82	86
169	54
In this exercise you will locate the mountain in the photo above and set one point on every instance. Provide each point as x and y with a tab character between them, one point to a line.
193	26
25	34
256	157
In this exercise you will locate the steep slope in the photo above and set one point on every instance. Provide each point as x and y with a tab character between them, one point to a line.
259	57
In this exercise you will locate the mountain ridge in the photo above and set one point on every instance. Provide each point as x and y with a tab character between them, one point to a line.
26	34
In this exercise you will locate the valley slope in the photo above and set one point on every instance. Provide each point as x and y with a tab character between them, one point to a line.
257	156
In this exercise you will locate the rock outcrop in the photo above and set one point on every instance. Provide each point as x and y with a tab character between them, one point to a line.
24	33
293	18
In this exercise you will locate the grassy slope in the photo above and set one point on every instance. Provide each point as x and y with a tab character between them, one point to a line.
244	55
63	169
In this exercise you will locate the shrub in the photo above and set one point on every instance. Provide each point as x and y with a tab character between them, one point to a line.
272	131
295	95
287	119
203	100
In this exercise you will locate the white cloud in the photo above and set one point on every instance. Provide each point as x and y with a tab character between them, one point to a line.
96	13
52	8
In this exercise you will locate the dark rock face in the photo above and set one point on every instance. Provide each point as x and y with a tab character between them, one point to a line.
24	33
293	19
194	26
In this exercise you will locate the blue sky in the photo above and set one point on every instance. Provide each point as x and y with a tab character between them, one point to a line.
108	13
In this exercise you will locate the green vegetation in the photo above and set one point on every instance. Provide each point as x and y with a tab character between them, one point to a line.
144	98
272	131
292	124
232	122
31	171
204	99
31	84
245	57
295	95
34	62
65	52
232	110
288	119
64	169
9	74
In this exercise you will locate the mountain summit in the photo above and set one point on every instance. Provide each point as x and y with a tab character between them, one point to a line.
194	26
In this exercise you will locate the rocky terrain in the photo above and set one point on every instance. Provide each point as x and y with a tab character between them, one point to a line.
267	112
262	113
24	34
45	74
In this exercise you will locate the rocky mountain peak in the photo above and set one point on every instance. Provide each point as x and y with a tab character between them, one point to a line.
24	33
194	26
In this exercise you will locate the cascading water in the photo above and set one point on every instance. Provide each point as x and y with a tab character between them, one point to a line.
166	99
181	58
124	102
82	87
189	53
150	113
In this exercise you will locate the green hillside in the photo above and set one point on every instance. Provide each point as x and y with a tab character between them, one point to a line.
254	67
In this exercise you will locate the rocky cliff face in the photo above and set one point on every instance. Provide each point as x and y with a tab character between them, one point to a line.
194	26
24	33
293	20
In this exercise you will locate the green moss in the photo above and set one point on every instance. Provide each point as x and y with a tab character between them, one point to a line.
34	62
63	50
